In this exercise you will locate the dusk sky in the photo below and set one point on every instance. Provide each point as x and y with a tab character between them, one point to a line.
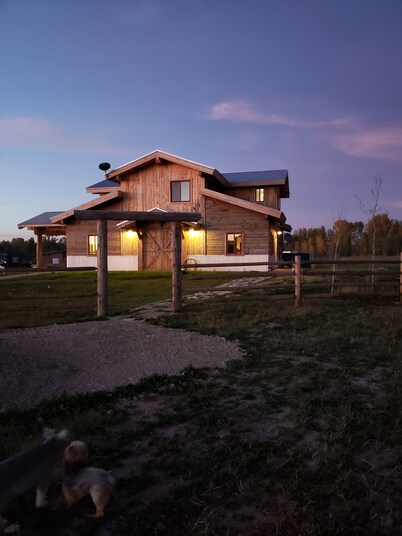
311	86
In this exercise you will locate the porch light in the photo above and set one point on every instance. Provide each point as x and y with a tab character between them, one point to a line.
194	233
131	233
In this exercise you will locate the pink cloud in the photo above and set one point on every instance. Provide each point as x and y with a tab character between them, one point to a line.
24	130
242	112
382	142
36	133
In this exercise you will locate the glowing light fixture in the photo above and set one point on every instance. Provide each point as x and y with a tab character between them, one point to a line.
131	233
193	233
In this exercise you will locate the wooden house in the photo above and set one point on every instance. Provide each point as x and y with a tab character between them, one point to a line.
241	218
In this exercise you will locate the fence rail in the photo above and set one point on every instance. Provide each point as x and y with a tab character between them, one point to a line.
381	277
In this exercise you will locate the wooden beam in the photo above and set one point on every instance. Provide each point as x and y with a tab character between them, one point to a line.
136	216
102	301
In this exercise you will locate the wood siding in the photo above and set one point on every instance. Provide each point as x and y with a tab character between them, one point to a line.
149	187
223	218
272	195
78	232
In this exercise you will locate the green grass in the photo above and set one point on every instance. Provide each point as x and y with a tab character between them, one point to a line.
69	297
301	437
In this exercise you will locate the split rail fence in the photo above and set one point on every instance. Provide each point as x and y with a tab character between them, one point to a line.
293	280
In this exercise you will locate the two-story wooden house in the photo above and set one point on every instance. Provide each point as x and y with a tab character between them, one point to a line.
241	217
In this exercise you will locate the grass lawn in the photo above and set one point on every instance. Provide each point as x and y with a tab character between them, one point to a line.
301	437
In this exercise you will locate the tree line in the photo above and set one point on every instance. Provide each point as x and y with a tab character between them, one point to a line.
26	249
381	235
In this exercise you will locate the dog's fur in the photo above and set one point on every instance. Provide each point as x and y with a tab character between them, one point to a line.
80	480
35	467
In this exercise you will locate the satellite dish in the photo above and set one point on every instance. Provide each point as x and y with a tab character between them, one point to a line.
104	166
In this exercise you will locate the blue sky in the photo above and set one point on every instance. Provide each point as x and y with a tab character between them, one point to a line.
312	86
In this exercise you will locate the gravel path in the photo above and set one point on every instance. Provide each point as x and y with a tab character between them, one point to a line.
41	362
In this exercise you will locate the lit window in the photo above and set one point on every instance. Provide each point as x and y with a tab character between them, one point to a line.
92	244
179	191
259	195
234	244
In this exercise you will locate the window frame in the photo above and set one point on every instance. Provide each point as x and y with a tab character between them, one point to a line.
94	246
235	253
260	193
180	182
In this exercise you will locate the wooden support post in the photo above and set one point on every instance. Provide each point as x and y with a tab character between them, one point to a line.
102	308
400	279
297	280
176	268
39	249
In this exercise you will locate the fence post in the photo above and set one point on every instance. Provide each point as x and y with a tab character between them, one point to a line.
297	280
176	268
102	291
400	279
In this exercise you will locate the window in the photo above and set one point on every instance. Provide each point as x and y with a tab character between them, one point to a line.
179	191
92	244
259	195
234	244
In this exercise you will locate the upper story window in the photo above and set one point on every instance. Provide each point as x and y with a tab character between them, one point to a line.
179	191
260	195
92	244
234	244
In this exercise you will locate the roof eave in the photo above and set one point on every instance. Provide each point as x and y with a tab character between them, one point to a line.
154	155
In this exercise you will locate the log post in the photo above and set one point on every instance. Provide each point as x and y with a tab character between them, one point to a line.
102	303
39	249
176	268
400	279
297	280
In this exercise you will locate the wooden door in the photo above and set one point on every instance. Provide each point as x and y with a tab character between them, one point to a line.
157	246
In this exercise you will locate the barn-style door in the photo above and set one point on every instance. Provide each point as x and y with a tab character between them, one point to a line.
157	246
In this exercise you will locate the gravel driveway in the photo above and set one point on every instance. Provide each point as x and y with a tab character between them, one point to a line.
41	362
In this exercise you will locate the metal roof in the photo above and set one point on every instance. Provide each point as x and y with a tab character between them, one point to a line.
106	183
246	176
40	219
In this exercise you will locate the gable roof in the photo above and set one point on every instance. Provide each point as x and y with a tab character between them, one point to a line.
277	177
161	155
41	220
90	204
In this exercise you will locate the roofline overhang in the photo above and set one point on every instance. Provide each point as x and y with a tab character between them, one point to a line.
106	198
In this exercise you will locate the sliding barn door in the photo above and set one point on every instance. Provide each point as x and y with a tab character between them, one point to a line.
157	246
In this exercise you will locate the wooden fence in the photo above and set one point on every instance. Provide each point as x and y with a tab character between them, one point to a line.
314	279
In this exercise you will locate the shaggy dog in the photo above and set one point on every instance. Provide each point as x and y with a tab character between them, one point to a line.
35	467
80	480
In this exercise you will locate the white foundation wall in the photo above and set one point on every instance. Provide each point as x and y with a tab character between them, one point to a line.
212	259
124	263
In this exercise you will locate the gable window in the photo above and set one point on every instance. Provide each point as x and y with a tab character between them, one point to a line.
234	244
92	244
179	191
260	195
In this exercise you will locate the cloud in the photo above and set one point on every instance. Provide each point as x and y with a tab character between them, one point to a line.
36	133
239	111
380	142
